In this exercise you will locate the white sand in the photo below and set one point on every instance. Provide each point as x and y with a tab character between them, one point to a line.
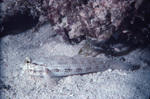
110	84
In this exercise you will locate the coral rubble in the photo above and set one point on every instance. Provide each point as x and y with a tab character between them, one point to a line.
96	19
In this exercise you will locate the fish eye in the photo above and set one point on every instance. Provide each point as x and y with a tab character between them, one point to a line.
28	60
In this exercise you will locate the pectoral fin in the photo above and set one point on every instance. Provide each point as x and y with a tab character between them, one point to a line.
48	79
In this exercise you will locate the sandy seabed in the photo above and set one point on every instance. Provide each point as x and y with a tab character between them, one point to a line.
116	84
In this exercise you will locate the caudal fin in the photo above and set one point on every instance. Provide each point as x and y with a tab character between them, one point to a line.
124	66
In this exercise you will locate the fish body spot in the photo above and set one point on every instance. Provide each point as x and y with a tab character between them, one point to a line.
68	70
88	69
78	69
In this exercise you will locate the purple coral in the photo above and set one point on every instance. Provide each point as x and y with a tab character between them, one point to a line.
97	19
